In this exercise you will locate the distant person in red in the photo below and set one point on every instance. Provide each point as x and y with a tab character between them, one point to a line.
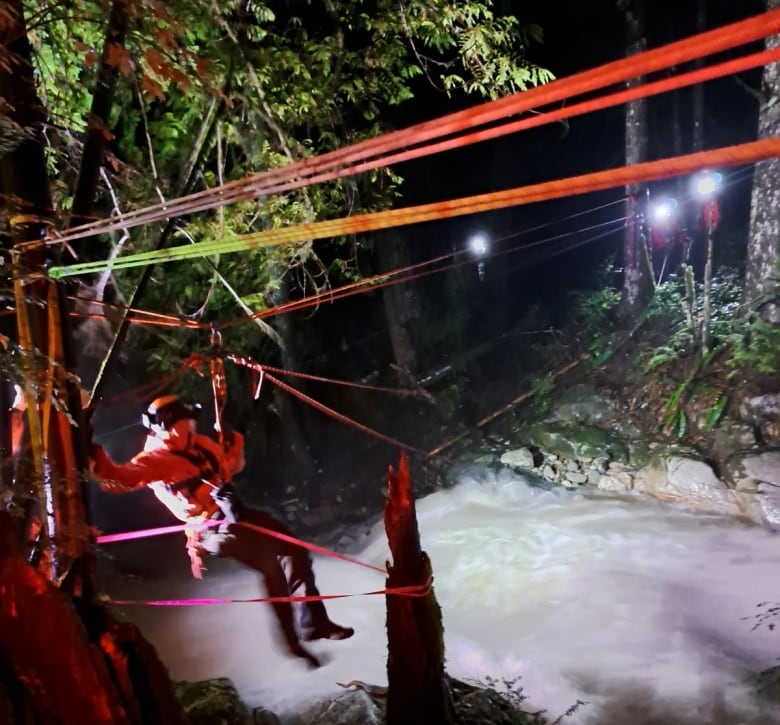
669	247
190	474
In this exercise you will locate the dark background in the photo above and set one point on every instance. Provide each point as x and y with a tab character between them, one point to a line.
348	339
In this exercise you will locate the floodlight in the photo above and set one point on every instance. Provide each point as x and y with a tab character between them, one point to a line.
706	185
478	244
662	211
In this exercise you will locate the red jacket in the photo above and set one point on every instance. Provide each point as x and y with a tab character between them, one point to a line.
181	478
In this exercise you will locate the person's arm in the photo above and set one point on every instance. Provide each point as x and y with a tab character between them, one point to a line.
234	451
123	477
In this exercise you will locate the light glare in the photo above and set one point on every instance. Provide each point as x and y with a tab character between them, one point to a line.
662	211
479	244
706	185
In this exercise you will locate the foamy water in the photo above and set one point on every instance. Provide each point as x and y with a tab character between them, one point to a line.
633	606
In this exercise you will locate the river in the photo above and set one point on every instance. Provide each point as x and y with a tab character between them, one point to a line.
641	609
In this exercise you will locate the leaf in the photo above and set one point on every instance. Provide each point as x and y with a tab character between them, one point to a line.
715	412
682	424
150	87
118	57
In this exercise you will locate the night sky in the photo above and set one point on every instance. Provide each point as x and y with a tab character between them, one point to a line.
578	35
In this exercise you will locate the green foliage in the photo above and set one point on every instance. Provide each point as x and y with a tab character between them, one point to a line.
676	370
756	345
590	312
541	389
511	690
715	412
298	78
678	303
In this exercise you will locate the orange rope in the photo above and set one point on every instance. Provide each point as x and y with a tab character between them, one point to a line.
252	365
738	154
637	65
306	376
643	91
174	322
365	284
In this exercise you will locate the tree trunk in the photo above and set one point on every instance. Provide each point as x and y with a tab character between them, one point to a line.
52	670
293	428
97	119
637	282
25	181
762	274
418	693
400	301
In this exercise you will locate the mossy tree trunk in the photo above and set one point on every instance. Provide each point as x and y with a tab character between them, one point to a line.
762	273
418	693
637	277
402	308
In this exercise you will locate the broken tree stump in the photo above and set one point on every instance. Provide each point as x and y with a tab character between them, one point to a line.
70	662
418	692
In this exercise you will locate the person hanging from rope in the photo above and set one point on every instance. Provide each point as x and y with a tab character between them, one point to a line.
191	475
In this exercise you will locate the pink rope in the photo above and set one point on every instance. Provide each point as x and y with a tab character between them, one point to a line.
410	591
147	533
311	547
160	531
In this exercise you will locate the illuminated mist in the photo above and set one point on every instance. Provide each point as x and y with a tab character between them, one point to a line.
634	606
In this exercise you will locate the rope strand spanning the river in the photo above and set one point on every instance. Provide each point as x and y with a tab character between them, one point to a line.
734	155
641	64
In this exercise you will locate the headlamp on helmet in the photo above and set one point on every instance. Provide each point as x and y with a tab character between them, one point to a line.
163	412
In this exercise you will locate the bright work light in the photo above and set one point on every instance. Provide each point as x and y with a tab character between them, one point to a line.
478	244
662	211
706	185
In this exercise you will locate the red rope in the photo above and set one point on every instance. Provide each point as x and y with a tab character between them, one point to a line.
148	390
342	418
363	285
637	65
317	378
419	590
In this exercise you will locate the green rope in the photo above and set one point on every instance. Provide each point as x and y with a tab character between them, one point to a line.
245	243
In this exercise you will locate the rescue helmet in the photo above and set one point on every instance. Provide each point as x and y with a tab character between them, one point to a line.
166	410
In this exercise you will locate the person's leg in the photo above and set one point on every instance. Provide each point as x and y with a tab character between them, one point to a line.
314	621
240	543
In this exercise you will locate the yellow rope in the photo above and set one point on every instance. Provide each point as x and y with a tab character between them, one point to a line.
25	343
51	304
745	153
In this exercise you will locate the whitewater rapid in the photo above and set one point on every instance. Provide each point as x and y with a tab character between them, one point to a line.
643	610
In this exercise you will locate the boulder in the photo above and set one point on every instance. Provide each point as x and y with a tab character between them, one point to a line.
485	706
617	481
763	412
731	437
693	482
518	458
355	707
474	705
764	467
759	472
212	702
767	684
583	404
574	442
573	479
261	716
